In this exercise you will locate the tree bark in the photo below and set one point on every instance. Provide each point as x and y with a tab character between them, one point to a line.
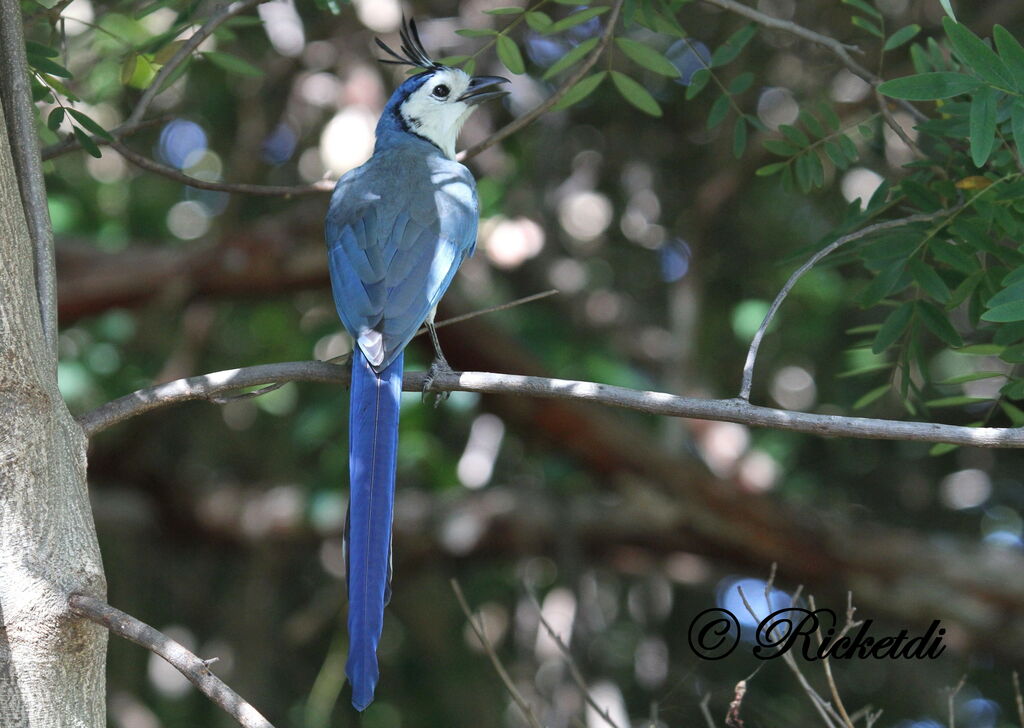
51	662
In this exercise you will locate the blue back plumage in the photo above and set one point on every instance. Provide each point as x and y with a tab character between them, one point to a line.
397	230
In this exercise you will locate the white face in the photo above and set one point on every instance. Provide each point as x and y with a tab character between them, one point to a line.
432	111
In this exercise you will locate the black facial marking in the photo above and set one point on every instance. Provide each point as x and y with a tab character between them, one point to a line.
415	122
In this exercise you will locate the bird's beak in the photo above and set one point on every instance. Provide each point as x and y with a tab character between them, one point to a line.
483	88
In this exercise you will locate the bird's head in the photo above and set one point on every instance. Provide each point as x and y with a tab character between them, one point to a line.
433	104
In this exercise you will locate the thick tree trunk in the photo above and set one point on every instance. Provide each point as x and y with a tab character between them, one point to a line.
51	663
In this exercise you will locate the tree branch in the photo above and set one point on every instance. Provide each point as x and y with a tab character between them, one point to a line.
16	95
840	50
150	165
216	384
195	669
530	116
755	344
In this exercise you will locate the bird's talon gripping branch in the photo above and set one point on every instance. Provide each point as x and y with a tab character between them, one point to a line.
439	368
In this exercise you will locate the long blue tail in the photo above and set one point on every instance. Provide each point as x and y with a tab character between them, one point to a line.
373	447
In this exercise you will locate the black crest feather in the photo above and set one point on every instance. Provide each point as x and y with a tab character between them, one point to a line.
413	53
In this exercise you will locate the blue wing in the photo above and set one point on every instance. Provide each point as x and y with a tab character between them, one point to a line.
397	230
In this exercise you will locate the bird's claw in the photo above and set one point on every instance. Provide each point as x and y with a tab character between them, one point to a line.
440	367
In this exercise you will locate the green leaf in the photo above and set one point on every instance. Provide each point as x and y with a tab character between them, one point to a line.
983	124
848	147
1017	126
1010	294
45	65
87	143
575	19
1005	313
893	327
453	60
813	125
941	448
733	46
636	94
780	147
835	154
1014	390
571	58
929	86
583	88
718	111
872	396
697	83
89	124
538	21
929	281
957	401
232	64
769	169
794	135
647	57
55	118
739	137
901	36
948	8
504	11
864	8
1012	54
1014	413
972	377
38	49
476	32
741	83
508	53
882	285
981	350
867	25
938	324
976	55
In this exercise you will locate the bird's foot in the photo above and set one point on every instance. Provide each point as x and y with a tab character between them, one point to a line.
440	367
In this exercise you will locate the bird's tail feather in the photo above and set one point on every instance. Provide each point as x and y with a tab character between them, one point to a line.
373	447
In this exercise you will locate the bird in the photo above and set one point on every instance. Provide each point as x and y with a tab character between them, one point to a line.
397	229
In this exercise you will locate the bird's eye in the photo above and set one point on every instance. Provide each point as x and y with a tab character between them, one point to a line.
441	91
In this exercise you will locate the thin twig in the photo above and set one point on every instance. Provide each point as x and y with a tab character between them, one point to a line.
533	114
1018	699
840	50
506	679
192	667
204	386
16	96
70	143
827	663
706	711
951	699
748	366
150	165
493	309
574	670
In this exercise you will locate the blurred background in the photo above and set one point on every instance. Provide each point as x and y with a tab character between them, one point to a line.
221	525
